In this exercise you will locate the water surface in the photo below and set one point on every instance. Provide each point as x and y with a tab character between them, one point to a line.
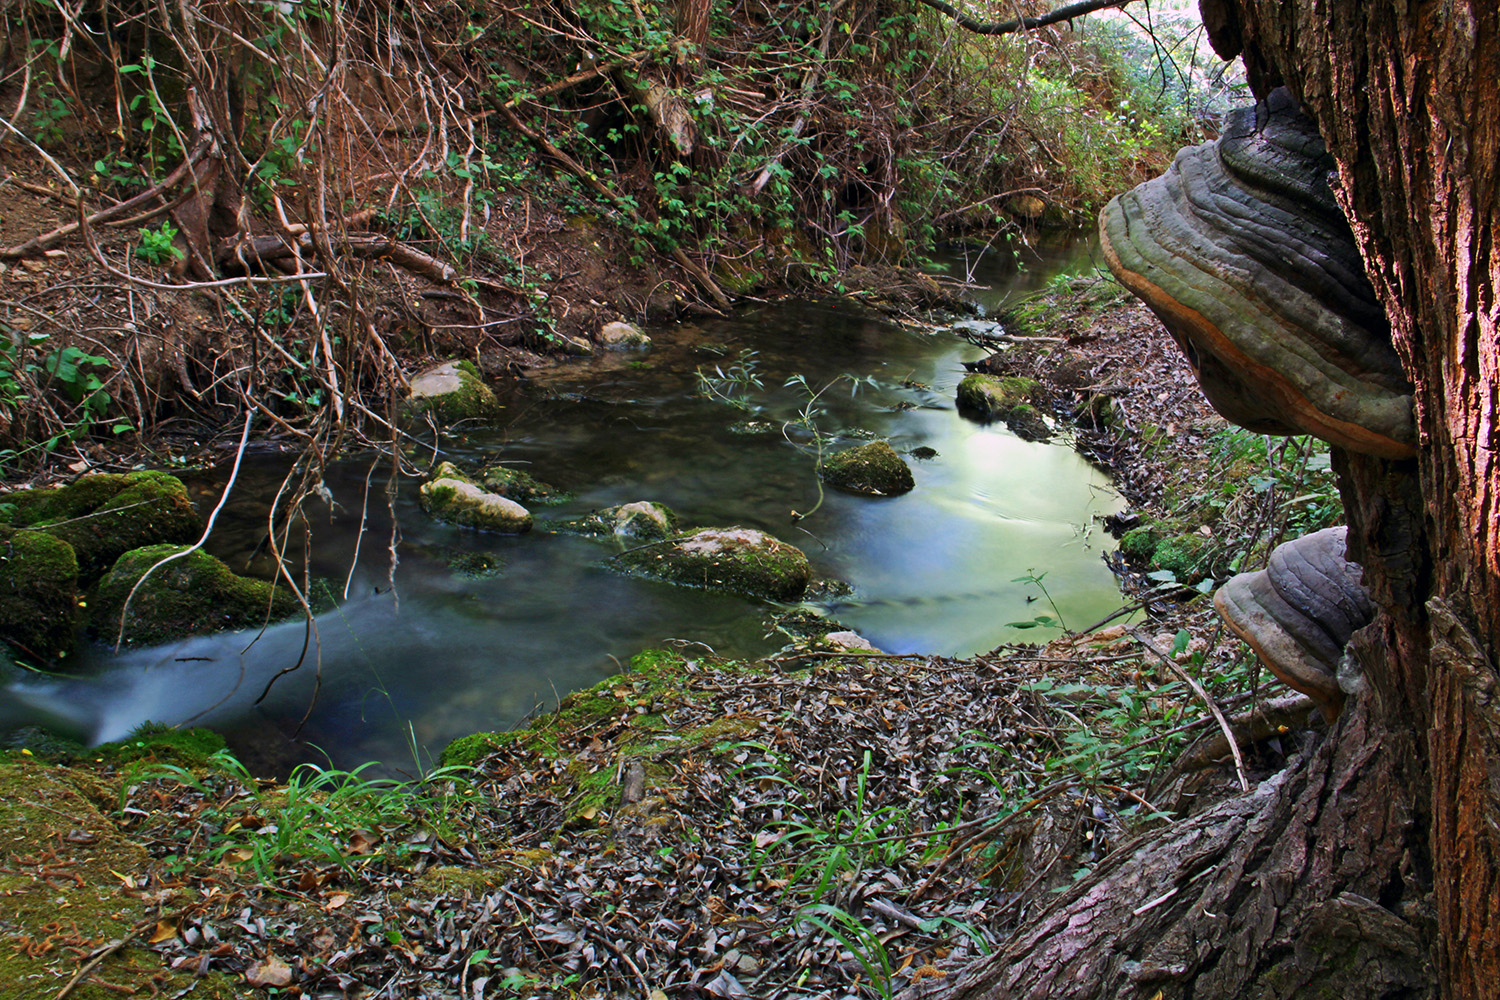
400	672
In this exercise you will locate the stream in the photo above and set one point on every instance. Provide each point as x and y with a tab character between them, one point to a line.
400	671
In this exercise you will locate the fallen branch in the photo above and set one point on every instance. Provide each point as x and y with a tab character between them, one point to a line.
46	241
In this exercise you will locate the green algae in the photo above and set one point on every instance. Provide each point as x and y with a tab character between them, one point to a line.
193	595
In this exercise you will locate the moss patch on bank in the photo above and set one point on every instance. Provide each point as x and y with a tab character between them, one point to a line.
622	716
64	866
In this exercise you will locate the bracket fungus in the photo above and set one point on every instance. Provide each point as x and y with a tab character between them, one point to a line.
1242	251
1299	612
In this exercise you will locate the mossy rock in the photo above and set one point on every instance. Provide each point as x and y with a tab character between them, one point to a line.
1026	423
103	516
621	336
464	504
643	520
993	397
452	392
519	486
38	592
1139	544
872	469
193	595
739	560
1182	556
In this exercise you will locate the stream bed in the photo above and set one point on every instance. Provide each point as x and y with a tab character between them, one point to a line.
398	672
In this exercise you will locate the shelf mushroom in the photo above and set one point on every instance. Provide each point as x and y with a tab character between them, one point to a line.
1299	612
1241	250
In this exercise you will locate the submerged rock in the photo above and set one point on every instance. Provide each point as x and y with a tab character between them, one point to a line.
619	336
453	391
872	469
193	595
1004	397
451	496
520	486
106	515
645	520
741	560
38	592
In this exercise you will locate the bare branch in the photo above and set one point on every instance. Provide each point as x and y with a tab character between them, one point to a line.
1066	13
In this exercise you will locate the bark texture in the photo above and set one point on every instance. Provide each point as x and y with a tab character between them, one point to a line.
1371	868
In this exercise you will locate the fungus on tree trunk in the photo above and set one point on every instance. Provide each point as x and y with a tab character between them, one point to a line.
1242	251
1299	613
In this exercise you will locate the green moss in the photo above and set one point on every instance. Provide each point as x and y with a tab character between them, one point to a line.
157	741
872	469
38	592
1181	555
1026	422
994	397
193	595
452	392
57	814
104	516
739	560
1139	544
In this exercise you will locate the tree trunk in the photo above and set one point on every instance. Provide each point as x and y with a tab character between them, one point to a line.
1370	868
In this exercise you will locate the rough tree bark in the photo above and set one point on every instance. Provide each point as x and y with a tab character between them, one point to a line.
1372	866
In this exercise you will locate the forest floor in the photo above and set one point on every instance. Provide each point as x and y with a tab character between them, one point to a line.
825	822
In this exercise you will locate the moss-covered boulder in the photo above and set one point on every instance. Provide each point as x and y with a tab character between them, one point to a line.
192	595
740	560
872	469
103	516
451	496
38	592
452	392
520	486
643	520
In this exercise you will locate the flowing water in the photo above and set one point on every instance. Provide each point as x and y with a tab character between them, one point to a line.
401	672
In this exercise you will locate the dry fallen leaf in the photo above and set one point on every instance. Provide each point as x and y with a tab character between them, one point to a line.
166	930
269	972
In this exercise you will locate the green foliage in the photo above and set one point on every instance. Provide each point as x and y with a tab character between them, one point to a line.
157	245
818	856
321	817
732	383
